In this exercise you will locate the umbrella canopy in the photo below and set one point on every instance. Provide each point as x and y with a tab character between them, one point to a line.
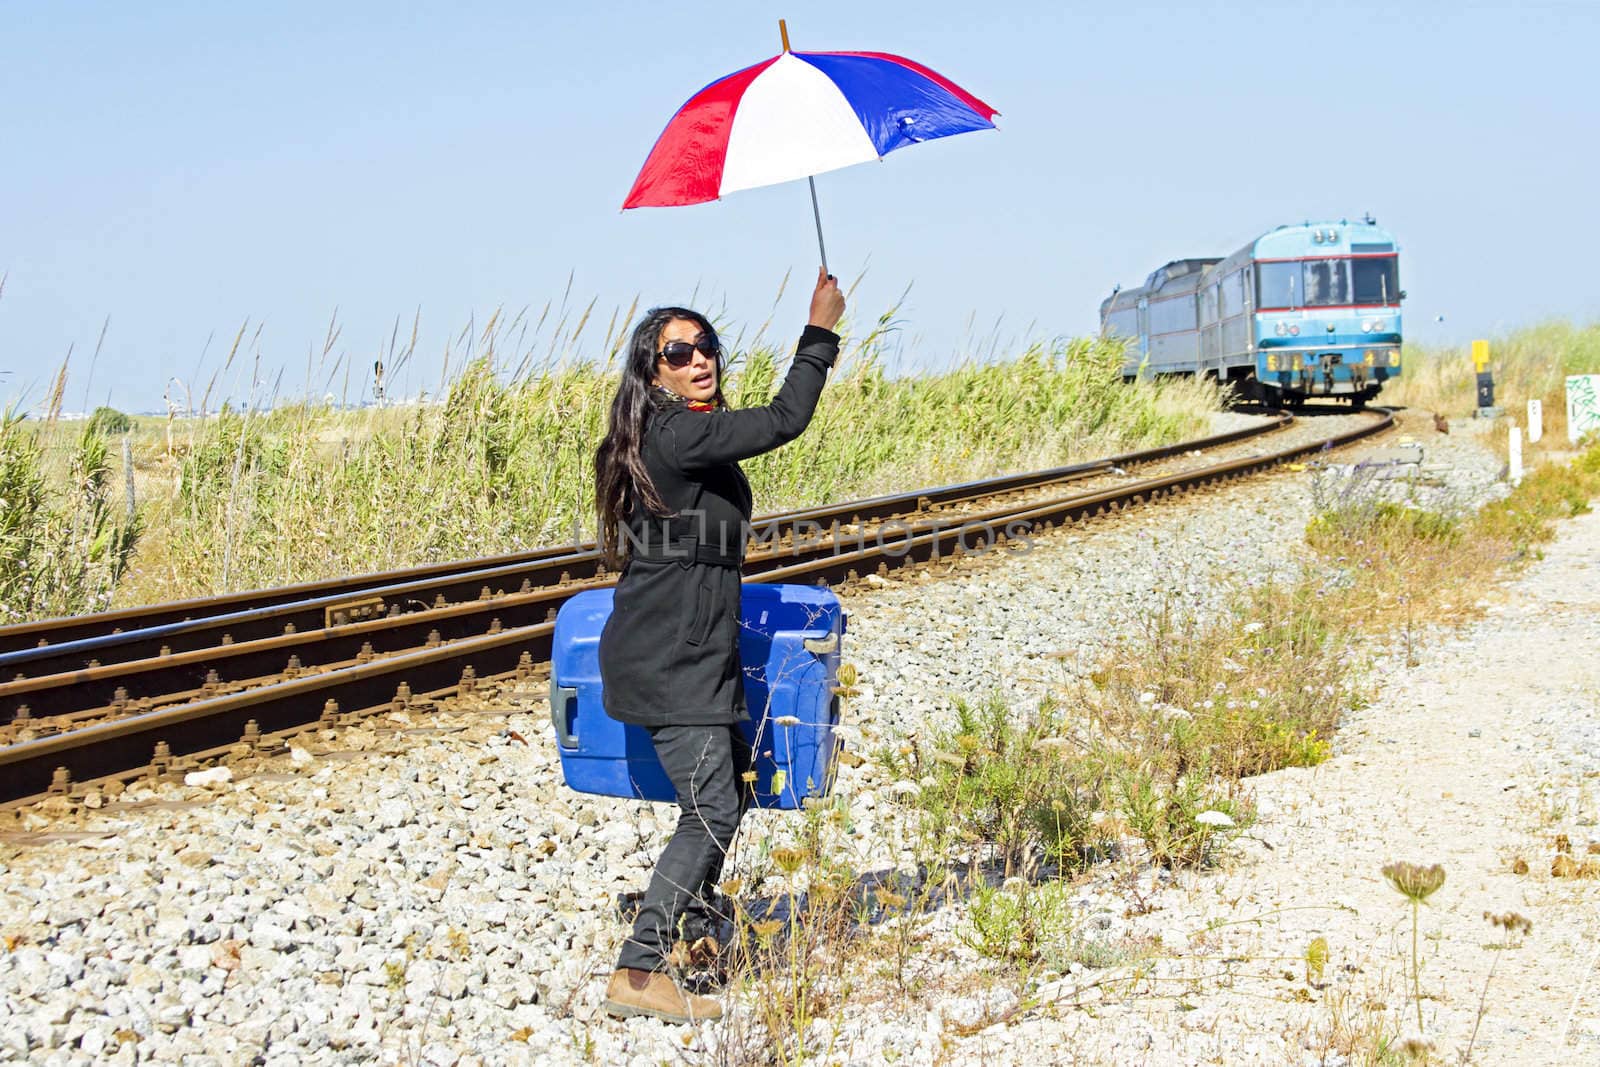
799	114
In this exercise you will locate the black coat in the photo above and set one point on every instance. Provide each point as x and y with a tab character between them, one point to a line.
669	654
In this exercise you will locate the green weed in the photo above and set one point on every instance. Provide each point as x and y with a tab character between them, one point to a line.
63	546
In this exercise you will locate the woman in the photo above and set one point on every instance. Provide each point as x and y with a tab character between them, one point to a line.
674	510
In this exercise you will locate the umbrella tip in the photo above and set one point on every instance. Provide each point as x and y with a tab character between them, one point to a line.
783	31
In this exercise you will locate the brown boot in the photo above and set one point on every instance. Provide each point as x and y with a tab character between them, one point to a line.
634	992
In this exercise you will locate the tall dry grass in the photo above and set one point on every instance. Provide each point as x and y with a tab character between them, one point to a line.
267	492
1528	364
499	465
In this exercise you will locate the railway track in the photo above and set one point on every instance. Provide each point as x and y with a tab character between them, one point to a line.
157	691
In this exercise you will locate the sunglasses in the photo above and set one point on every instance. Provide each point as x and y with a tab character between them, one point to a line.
679	354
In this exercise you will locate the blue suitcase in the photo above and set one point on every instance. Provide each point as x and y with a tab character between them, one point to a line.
789	646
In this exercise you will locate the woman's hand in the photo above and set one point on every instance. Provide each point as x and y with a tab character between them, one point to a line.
827	303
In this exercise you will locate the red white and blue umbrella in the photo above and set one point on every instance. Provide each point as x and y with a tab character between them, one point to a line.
796	115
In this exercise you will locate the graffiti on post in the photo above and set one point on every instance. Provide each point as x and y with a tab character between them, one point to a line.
1583	405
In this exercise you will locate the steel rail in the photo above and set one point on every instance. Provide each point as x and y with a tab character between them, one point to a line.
348	609
118	689
48	703
87	635
160	741
68	629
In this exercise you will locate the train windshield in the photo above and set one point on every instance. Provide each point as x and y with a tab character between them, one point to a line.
1327	282
1278	285
1376	280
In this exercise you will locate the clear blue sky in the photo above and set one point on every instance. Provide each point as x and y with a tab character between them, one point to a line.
184	167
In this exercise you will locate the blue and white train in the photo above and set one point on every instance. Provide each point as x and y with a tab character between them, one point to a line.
1309	310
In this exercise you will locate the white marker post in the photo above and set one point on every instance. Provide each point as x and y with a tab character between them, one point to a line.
1516	455
1535	421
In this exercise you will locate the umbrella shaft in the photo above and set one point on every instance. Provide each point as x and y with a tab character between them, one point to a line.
816	213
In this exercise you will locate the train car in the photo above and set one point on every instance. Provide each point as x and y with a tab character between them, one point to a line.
1308	310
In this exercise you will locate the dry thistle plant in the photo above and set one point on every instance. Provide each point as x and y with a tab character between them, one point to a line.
1416	883
1513	923
1516	926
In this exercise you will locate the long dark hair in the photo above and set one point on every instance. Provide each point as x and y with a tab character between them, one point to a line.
621	482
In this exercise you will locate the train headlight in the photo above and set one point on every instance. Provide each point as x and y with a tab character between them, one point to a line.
1379	325
1282	329
1366	327
1294	328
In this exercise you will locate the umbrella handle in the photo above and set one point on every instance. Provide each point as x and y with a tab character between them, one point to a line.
817	214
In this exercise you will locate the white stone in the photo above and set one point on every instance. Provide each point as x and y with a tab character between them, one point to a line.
265	934
213	776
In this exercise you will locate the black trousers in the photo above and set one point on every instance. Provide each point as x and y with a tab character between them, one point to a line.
706	765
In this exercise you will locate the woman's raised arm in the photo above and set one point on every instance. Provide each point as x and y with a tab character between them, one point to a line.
693	440
717	437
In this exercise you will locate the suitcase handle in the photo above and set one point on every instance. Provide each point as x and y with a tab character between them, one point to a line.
821	646
562	699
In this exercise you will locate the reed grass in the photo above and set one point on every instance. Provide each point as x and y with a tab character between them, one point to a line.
1530	363
267	492
63	545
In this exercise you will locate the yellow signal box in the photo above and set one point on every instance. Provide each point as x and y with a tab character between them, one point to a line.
1480	361
1480	356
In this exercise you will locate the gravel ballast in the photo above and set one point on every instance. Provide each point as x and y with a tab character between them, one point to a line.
438	896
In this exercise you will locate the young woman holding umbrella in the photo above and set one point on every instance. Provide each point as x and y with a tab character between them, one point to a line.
674	510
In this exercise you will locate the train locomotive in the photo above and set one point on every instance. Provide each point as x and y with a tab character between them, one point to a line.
1303	311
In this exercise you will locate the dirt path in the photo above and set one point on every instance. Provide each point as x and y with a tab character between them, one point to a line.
1478	758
